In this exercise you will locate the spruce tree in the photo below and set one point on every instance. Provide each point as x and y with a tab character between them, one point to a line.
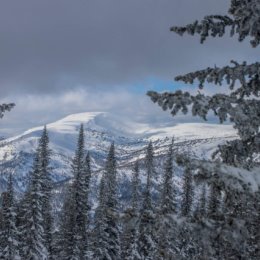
130	220
5	107
187	195
65	243
75	218
136	184
214	201
146	241
99	242
201	208
33	230
36	207
107	235
45	169
166	225
168	198
9	249
240	104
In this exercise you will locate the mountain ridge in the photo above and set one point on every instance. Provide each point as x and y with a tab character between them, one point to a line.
101	128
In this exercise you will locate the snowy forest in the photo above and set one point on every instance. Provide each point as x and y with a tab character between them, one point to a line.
215	215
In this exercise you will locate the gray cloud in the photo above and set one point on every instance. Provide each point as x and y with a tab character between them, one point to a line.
51	47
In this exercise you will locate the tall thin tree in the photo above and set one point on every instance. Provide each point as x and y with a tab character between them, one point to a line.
9	249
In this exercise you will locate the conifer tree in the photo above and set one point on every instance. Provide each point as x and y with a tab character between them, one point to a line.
46	192
131	217
9	249
201	208
165	222
187	196
107	239
241	104
36	207
76	207
5	107
33	229
99	242
146	241
65	243
214	201
135	188
168	198
80	196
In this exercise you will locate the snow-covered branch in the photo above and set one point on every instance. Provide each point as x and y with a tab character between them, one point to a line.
230	75
245	22
4	108
226	177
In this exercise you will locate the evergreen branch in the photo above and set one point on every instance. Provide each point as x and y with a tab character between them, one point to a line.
239	72
5	107
244	114
245	22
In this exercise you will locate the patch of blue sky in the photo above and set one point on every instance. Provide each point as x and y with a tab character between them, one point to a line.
156	84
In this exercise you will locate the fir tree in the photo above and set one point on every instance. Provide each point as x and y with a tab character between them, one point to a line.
201	208
135	188
130	220
168	198
241	104
9	249
99	242
187	196
76	207
214	201
166	225
46	192
65	243
33	230
107	238
5	107
36	211
146	241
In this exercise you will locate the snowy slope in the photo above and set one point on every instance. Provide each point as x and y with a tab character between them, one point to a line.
16	153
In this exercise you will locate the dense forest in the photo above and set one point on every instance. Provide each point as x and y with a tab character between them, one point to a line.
221	221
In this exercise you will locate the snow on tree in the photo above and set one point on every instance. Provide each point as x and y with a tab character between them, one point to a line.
201	207
76	208
64	242
33	230
243	20
168	198
131	220
34	220
214	201
5	107
107	232
229	235
47	184
146	240
187	193
166	225
9	236
241	105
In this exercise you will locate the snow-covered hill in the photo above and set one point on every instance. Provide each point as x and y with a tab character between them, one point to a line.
131	138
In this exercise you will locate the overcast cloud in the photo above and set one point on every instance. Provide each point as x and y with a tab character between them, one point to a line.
61	56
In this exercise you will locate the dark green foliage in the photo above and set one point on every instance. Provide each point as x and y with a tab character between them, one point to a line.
9	243
107	233
5	107
75	214
187	196
146	241
131	220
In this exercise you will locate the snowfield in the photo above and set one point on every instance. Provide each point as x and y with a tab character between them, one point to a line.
131	138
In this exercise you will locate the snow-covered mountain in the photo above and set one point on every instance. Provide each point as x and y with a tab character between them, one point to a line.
131	138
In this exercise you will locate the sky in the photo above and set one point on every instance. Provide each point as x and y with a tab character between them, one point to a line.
59	57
